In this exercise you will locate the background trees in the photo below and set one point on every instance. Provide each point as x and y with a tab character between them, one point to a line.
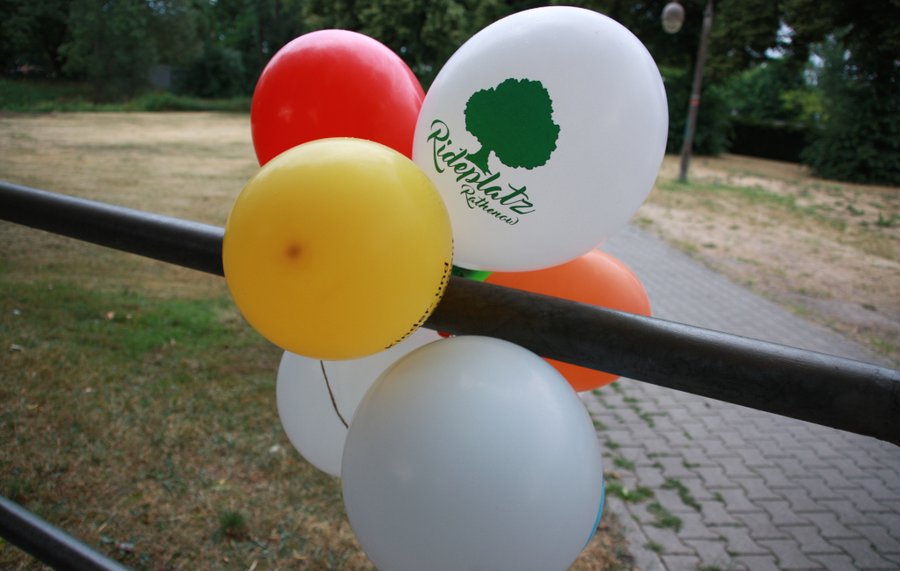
823	73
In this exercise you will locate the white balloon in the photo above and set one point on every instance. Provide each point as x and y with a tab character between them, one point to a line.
304	406
472	453
527	187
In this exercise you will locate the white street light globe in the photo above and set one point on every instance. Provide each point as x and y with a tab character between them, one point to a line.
672	17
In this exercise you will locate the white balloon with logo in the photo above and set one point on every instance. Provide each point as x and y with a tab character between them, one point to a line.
543	133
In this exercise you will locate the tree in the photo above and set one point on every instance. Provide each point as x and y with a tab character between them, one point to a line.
425	33
858	135
111	46
31	34
514	120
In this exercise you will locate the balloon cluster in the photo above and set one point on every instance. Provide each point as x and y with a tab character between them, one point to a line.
539	138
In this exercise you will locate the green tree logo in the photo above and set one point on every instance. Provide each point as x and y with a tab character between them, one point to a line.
515	121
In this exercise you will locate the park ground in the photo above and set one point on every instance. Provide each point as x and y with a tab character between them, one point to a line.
138	409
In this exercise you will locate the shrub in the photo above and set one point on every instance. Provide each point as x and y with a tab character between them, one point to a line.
217	72
713	121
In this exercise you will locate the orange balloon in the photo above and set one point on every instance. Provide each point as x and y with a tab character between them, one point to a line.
595	278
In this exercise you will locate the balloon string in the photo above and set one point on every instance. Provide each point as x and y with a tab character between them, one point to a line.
331	394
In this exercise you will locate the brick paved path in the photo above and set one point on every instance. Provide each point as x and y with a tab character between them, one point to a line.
717	486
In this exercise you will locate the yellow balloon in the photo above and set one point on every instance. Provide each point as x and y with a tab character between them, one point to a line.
337	249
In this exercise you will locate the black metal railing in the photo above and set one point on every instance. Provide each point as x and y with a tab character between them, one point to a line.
823	389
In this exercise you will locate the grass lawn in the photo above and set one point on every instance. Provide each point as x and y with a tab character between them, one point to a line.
137	409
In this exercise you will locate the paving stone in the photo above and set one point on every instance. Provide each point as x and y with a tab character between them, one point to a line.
714	477
889	520
711	553
848	467
863	555
808	483
835	479
735	468
673	467
644	558
775	477
631	453
824	449
681	562
862	458
697	489
753	458
757	489
841	562
740	543
697	457
808	458
846	512
657	445
829	525
890	477
757	562
771	449
668	539
713	446
692	527
733	439
789	555
801	501
781	513
760	526
676	438
793	468
810	540
863	501
714	513
817	488
736	501
669	499
697	430
649	476
876	488
880	539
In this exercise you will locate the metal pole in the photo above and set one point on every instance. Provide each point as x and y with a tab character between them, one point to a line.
823	389
690	127
47	543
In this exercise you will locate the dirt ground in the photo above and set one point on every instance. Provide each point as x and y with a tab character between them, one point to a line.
829	251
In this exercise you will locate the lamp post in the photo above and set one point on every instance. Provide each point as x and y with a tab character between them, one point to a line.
673	17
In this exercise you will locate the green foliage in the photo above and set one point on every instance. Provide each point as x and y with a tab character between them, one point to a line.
42	96
110	46
756	94
713	120
232	525
514	120
164	101
31	34
217	72
769	139
425	33
664	518
858	138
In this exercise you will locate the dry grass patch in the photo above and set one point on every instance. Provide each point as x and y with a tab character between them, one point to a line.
829	251
137	409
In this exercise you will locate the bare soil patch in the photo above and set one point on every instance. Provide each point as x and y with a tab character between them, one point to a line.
829	251
138	410
187	165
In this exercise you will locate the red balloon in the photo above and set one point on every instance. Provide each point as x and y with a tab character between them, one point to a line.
334	83
595	278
